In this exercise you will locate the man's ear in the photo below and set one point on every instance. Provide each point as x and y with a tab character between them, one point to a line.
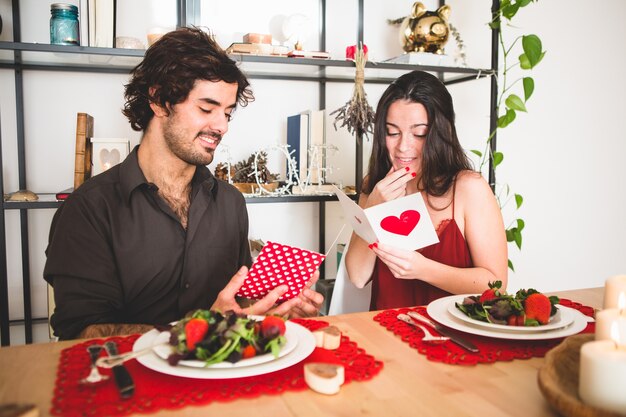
157	109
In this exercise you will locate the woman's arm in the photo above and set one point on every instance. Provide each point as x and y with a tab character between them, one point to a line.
360	260
485	236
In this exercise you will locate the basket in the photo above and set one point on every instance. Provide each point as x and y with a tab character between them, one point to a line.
558	380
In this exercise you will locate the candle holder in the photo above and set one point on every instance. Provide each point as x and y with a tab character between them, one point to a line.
558	379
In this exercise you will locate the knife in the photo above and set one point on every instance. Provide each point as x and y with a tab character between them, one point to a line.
444	331
123	380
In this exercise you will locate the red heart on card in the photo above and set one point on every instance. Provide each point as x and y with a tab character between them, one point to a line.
403	225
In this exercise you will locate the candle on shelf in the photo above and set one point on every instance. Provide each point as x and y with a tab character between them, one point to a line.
155	34
614	290
602	375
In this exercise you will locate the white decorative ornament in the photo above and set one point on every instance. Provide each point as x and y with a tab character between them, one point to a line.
318	157
291	171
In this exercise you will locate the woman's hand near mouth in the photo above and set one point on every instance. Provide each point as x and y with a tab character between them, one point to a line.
391	187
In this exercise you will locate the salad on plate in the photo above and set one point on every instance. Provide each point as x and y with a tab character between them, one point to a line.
528	307
214	337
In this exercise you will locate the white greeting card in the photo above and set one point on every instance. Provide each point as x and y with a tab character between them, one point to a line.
403	222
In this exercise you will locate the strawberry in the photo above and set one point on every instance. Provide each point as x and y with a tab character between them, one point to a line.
195	330
272	326
514	320
537	306
492	293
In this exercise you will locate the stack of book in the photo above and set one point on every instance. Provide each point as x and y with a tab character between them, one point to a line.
309	54
257	44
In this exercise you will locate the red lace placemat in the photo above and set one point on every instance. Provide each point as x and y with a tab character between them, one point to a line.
491	350
155	391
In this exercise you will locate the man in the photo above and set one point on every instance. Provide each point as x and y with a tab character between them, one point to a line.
158	235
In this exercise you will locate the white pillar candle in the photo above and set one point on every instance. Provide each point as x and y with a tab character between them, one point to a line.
615	292
602	377
604	323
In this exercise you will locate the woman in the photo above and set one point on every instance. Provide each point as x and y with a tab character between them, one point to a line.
416	149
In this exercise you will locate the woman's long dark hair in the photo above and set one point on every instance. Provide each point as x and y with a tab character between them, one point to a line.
442	157
172	66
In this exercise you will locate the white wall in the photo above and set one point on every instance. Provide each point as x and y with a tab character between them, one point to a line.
564	156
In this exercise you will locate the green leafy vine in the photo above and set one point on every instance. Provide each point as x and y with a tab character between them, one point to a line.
513	103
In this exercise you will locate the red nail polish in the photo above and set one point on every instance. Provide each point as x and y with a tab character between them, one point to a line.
375	244
369	246
414	174
406	168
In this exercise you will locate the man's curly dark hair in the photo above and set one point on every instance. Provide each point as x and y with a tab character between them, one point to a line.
171	67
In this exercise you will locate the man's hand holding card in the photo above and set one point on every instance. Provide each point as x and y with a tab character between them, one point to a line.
403	223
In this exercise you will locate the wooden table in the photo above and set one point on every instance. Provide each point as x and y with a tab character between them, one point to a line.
408	385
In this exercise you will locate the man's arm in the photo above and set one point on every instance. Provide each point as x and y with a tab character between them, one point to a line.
81	268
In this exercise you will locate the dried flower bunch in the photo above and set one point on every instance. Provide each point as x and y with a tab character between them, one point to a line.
357	115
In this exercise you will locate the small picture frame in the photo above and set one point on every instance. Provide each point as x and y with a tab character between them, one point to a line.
108	152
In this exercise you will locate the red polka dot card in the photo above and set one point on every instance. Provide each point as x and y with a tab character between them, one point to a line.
279	264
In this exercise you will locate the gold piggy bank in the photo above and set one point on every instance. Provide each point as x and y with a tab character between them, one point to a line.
425	31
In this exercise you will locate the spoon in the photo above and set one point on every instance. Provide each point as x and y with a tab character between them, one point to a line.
94	376
428	337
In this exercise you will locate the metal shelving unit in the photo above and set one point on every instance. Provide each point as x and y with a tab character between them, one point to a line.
19	56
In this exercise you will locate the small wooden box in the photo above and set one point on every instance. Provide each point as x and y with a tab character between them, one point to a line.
257	38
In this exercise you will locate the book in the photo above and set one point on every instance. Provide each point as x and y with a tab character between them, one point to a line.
257	49
309	54
63	195
91	22
314	189
298	141
250	48
82	152
423	58
83	22
317	140
104	23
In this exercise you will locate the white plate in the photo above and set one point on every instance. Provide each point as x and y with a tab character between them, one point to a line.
305	344
438	310
163	349
563	318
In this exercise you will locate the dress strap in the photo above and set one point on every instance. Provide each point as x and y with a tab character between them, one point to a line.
453	196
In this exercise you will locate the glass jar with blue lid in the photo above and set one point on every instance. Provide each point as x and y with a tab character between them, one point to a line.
64	24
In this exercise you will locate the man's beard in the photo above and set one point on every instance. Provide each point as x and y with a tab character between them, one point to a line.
176	141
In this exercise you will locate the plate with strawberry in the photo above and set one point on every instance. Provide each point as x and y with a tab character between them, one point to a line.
208	344
246	341
527	314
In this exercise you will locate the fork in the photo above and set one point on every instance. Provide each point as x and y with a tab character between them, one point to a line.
428	337
114	360
94	376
